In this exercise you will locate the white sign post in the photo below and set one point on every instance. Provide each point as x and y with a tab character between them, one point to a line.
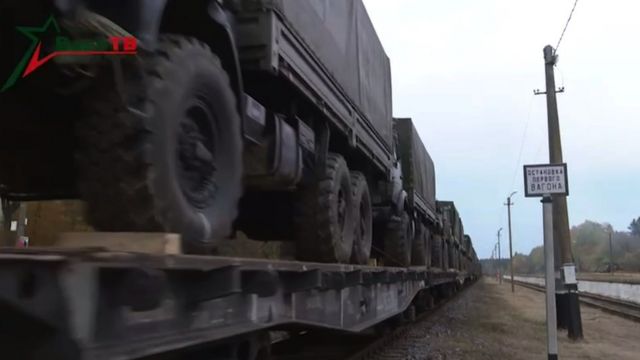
545	181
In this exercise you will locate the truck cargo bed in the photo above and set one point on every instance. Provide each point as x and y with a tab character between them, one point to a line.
330	51
418	168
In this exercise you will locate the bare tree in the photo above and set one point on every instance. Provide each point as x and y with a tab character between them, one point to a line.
634	227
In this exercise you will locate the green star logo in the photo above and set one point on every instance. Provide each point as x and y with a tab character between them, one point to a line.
63	46
32	33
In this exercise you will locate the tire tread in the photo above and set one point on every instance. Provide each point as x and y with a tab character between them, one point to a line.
314	212
115	170
397	248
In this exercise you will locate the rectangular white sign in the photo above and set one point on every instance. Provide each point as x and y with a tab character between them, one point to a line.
569	274
549	179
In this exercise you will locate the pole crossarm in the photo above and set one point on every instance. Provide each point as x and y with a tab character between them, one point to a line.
538	92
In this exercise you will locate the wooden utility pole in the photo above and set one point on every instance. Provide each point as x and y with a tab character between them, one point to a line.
560	213
508	204
499	258
567	298
610	249
494	256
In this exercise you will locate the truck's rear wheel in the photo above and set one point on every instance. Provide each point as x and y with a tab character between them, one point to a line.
363	219
420	250
178	167
324	216
397	241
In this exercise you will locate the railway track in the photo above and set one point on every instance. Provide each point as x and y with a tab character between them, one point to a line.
393	336
617	307
401	342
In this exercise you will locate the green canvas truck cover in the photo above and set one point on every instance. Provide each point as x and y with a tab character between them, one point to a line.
418	170
467	243
452	221
343	38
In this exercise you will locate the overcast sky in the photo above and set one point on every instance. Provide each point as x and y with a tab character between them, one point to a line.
465	70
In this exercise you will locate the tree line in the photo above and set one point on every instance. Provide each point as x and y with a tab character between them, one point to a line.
592	250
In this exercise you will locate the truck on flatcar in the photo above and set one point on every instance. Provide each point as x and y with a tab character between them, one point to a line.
270	117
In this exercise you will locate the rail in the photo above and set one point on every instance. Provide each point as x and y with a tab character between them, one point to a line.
617	307
372	350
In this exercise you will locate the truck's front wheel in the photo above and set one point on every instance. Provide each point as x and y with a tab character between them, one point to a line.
176	165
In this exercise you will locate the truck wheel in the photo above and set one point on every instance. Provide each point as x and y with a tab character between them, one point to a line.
363	219
419	250
176	169
324	223
397	241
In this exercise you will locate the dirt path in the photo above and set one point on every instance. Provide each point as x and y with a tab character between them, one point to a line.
489	322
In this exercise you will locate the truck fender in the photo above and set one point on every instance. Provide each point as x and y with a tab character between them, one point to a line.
229	57
399	202
141	18
146	19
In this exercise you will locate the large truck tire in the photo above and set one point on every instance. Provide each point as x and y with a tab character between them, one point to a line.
363	219
398	240
420	249
324	216
177	167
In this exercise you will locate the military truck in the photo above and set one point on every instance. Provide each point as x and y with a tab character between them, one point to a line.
466	254
271	117
419	182
452	234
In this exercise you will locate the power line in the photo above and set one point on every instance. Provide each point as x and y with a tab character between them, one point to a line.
522	142
540	146
565	26
559	68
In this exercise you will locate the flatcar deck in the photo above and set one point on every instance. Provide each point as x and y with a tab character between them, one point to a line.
97	304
